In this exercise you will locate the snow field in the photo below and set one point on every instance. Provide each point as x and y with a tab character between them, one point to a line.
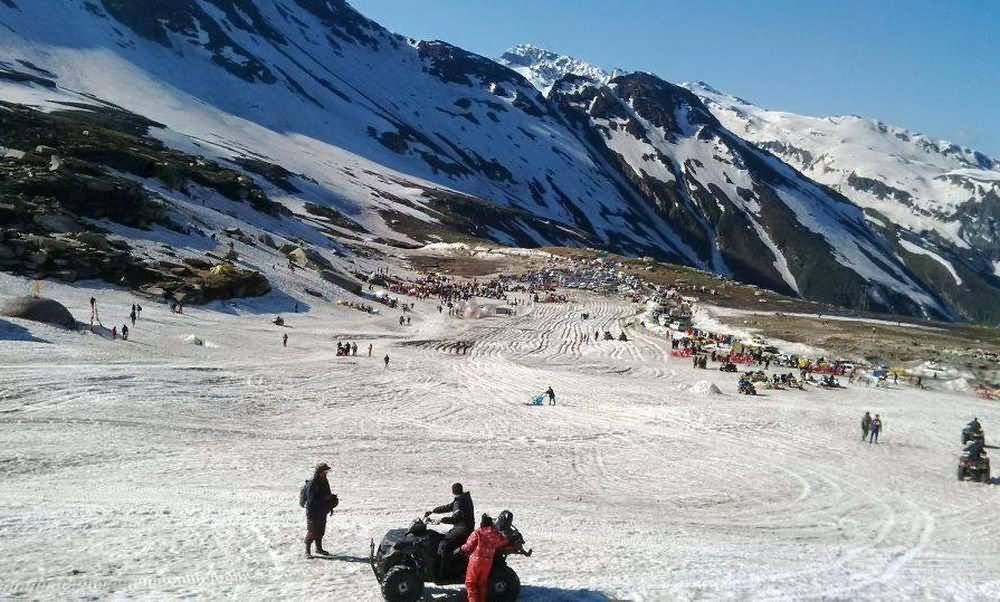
161	469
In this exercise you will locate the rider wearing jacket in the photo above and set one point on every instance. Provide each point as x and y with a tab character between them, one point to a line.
462	520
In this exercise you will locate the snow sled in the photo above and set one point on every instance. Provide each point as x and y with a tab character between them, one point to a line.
537	400
406	559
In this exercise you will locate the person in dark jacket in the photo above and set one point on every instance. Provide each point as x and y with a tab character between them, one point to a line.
866	423
319	504
462	521
975	449
552	396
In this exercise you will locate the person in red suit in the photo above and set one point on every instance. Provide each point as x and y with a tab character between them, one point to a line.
482	545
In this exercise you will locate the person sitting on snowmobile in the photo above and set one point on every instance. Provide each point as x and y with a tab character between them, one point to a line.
462	520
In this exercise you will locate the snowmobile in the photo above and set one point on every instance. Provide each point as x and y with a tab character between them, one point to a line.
978	469
408	558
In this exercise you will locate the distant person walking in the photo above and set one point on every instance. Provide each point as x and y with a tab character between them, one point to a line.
386	360
866	423
369	349
124	332
876	427
284	340
552	396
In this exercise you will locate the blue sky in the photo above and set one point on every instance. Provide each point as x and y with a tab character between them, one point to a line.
932	67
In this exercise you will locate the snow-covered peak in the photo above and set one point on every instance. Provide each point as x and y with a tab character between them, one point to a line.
916	181
543	67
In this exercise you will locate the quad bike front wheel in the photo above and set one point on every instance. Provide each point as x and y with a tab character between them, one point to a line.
402	584
505	585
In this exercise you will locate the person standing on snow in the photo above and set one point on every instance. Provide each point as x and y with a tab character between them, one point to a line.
284	340
866	423
552	396
462	520
875	427
369	349
482	545
386	360
124	332
320	502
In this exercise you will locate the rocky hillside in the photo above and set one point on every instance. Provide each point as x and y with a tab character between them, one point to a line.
936	203
356	136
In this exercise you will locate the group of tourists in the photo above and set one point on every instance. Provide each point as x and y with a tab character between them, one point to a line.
115	332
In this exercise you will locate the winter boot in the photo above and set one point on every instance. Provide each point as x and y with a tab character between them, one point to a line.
308	550
319	548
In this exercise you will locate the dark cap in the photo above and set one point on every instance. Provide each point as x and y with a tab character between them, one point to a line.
456	489
323	466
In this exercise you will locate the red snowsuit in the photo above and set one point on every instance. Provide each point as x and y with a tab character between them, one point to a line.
482	545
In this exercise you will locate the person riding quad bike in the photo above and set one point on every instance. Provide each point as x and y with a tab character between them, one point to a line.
406	559
462	520
973	431
974	463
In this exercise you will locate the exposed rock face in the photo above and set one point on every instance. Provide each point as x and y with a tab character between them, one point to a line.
51	196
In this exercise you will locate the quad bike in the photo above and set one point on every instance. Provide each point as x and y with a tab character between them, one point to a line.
978	469
406	559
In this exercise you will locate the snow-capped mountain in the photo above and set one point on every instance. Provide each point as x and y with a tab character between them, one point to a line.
934	201
544	68
937	202
361	135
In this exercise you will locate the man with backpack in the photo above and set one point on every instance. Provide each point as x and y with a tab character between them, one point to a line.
319	502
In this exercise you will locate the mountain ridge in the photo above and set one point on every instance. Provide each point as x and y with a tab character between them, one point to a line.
416	141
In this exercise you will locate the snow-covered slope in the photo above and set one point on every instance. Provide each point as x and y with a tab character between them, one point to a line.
912	180
927	198
930	197
418	140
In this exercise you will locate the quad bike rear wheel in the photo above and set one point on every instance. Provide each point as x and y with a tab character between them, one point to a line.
505	585
402	584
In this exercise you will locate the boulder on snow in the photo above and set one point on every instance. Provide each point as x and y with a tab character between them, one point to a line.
38	309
